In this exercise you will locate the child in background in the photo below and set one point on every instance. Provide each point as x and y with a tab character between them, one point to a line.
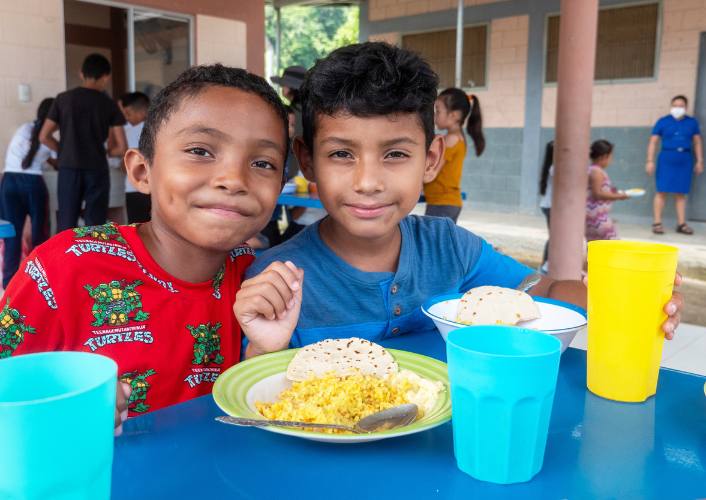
443	194
134	106
546	182
601	194
158	297
86	117
23	191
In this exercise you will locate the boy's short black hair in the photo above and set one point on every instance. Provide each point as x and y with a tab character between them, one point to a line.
682	97
135	100
95	66
192	82
369	79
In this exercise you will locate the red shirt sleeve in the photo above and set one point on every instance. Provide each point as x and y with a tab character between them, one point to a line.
29	320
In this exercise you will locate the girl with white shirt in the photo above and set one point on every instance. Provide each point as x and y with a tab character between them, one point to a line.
23	191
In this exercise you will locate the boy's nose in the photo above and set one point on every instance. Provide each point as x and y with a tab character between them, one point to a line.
231	178
367	177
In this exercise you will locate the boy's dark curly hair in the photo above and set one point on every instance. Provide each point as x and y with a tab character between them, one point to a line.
193	81
369	79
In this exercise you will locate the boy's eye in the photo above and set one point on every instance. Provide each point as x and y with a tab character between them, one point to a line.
199	152
397	154
264	164
340	154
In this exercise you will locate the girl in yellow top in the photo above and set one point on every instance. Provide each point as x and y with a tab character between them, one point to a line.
443	194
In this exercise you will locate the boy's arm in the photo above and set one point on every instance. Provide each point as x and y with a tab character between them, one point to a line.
118	142
575	292
29	320
267	307
572	291
595	180
46	134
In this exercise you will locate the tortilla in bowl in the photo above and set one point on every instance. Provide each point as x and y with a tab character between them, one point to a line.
553	317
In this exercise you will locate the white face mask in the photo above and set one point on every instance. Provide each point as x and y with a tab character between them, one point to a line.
677	112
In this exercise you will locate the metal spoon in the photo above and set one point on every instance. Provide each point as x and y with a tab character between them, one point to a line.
397	416
529	282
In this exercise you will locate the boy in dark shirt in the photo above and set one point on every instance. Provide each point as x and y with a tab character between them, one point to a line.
85	118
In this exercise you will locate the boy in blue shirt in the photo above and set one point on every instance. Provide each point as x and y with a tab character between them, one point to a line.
369	144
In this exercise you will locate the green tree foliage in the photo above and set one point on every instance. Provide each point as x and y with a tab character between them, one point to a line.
309	33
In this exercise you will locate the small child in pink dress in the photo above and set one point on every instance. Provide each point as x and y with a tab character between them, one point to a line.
601	194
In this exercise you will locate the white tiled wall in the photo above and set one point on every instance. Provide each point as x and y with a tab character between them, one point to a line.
221	40
31	51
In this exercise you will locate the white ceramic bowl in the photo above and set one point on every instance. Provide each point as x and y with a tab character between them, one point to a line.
559	319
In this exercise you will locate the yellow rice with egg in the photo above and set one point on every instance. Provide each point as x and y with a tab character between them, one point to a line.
338	399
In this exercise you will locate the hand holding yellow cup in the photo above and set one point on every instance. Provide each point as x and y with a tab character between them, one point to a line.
629	284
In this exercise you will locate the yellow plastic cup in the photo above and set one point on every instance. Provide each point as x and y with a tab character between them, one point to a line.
629	283
302	184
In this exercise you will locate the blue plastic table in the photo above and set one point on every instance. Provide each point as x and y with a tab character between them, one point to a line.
596	449
299	200
7	230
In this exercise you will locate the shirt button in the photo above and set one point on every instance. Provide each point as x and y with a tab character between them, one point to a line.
395	331
397	310
394	289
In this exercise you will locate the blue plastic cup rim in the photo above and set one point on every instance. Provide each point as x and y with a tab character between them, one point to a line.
24	358
551	343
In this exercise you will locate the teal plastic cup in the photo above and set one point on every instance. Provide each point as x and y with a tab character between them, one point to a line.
503	381
56	426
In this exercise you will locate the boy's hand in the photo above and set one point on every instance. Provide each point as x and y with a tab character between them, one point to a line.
673	309
267	307
122	394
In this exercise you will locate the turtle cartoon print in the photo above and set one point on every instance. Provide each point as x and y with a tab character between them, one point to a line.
106	232
139	386
12	330
116	303
207	344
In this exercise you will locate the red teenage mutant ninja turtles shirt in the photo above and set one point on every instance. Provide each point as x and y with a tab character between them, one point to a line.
97	289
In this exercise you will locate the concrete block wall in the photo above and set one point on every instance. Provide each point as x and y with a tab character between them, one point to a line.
385	9
517	103
627	169
493	180
221	40
503	100
32	52
641	103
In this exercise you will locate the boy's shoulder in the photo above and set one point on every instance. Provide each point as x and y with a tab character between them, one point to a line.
96	241
440	230
430	237
301	246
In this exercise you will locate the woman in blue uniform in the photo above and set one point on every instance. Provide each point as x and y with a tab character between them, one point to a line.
681	143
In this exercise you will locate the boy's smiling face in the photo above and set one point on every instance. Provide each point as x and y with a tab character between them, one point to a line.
369	170
217	168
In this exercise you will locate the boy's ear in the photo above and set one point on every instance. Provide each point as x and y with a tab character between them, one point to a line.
306	163
435	158
138	170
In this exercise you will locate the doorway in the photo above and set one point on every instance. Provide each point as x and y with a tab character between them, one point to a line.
147	49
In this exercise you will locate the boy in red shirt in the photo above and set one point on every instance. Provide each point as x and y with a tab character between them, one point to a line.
158	297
